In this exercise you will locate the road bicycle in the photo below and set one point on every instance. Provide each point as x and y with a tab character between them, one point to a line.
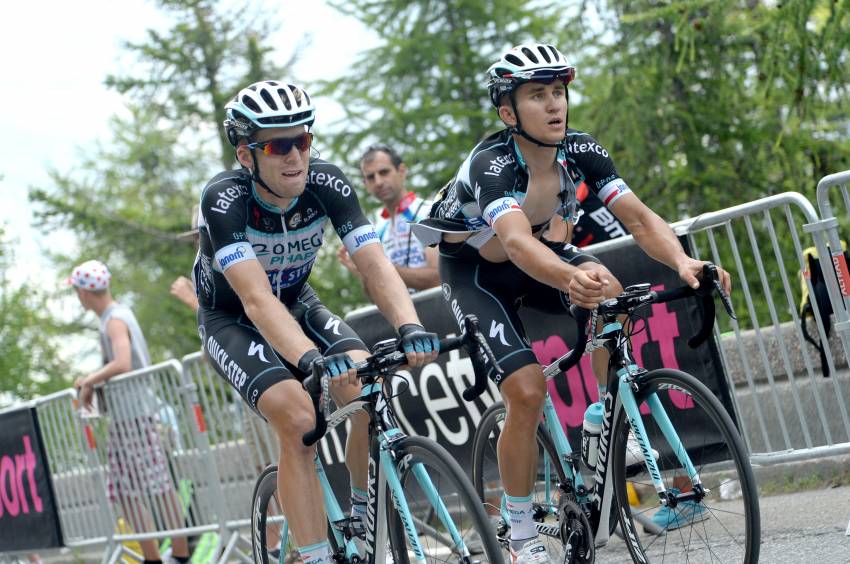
421	505
698	476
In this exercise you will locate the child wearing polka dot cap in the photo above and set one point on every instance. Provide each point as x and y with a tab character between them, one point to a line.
91	275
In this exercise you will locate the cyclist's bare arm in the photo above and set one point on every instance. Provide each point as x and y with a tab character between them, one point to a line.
387	290
424	277
586	287
657	239
276	324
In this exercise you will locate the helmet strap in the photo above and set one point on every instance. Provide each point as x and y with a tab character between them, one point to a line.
517	129
255	174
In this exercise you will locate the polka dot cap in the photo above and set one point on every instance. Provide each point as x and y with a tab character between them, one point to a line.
91	275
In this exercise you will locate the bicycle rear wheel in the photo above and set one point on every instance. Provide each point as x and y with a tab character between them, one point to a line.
450	485
270	539
546	495
722	527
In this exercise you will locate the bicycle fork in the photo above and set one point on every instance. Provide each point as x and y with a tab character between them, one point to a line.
628	383
390	471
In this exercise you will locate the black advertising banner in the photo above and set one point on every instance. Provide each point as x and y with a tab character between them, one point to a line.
432	406
28	518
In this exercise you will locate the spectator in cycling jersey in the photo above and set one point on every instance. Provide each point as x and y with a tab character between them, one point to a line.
138	467
488	224
260	322
384	174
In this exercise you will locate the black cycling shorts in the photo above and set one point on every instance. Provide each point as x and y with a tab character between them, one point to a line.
494	292
245	359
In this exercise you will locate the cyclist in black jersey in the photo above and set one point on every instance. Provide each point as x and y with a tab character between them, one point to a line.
488	223
261	323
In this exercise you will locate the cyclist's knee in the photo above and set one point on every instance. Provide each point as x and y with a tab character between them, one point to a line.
288	410
525	389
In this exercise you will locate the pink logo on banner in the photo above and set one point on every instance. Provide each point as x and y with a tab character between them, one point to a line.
663	329
13	495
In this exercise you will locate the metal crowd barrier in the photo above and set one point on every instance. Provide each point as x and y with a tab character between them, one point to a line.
76	473
786	409
241	445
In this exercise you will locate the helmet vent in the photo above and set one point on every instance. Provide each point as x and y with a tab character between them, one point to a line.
284	97
251	104
554	53
543	52
530	54
267	98
296	95
514	60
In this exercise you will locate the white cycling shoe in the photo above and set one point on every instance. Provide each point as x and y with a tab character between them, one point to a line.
534	552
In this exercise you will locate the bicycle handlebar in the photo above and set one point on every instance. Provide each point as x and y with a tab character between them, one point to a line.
387	356
627	302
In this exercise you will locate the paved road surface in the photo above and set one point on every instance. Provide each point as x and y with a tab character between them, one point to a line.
805	527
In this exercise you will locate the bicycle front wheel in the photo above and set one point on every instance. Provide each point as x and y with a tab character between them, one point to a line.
721	527
270	536
440	497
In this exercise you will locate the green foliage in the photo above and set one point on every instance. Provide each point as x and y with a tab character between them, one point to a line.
29	357
125	206
423	88
189	72
708	104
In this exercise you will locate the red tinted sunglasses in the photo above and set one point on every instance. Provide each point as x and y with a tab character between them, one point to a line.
282	145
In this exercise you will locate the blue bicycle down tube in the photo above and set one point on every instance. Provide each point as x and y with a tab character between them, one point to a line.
400	503
562	445
334	511
627	397
284	538
660	416
437	504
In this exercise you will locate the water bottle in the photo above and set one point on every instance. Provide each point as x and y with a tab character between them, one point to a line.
591	431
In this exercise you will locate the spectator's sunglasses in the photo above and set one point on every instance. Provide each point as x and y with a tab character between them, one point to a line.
282	145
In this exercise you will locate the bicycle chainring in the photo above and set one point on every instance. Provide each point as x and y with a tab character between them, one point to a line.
576	534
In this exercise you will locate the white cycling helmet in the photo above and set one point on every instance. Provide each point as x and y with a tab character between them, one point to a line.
267	104
526	63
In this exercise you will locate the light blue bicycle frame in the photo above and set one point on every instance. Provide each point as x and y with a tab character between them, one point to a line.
622	398
382	474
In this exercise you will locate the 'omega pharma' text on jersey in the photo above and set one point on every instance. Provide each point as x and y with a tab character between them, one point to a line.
236	225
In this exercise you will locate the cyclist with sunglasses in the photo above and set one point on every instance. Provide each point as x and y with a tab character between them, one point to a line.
260	322
488	223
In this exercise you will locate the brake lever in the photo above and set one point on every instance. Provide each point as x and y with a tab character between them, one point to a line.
710	273
724	298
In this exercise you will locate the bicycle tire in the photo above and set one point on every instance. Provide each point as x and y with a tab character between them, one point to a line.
485	468
455	491
264	490
738	520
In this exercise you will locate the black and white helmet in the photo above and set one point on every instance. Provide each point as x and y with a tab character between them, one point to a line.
267	104
530	62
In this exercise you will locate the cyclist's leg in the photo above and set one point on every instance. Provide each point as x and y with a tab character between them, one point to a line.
333	335
491	291
272	390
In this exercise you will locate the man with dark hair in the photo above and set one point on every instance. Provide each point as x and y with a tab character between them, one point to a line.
384	174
